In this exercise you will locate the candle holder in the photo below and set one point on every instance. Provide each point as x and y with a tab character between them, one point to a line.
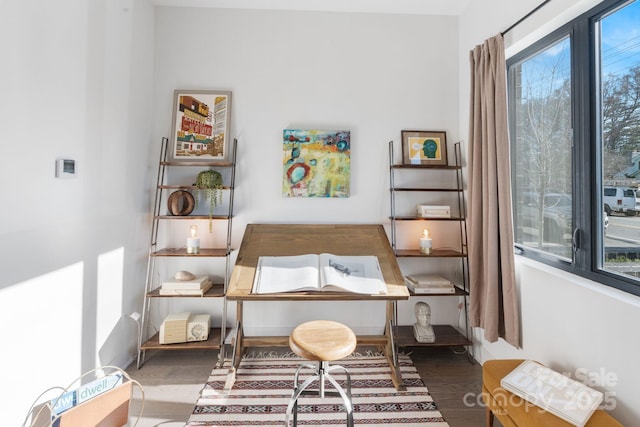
193	242
426	244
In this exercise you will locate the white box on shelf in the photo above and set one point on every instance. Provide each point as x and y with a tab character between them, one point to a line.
434	211
174	328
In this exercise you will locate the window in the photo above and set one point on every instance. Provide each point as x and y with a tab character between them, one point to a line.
574	120
541	103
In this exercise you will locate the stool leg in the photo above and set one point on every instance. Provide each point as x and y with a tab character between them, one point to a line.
297	374
346	398
348	375
295	386
294	400
322	373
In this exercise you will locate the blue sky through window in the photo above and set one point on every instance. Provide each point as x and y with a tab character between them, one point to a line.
620	39
620	51
548	70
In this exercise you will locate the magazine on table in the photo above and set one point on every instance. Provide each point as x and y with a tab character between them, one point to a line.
323	272
564	397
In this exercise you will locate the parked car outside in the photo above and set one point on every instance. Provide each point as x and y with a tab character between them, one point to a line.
557	212
619	200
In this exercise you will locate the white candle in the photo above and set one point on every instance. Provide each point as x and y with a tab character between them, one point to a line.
193	242
425	242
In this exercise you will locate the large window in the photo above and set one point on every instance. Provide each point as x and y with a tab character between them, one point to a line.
575	134
542	150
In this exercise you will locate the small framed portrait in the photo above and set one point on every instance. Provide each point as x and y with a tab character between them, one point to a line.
422	147
201	121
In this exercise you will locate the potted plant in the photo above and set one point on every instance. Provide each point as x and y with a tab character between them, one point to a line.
211	182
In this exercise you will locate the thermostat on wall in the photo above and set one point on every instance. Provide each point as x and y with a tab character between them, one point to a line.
65	168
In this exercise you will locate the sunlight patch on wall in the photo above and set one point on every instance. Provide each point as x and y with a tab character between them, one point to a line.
42	321
109	296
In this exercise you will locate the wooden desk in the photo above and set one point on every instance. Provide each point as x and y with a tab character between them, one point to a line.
296	239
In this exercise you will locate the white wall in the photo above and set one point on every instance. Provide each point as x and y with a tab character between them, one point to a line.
571	324
74	82
372	74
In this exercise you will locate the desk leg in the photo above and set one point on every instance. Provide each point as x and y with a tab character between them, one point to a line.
238	349
390	348
238	346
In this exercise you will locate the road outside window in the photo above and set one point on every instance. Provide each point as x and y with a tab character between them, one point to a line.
619	88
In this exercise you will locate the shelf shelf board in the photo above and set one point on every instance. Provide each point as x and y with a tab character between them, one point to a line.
182	252
216	291
213	343
431	167
458	292
446	335
436	253
197	163
186	187
421	218
425	189
192	217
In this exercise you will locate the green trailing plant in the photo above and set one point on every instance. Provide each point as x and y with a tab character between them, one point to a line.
210	181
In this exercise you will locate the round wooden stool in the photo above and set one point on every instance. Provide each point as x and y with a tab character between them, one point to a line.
321	341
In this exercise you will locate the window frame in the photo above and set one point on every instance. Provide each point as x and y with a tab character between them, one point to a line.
586	153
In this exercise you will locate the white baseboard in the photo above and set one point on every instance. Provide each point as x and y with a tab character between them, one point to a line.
122	362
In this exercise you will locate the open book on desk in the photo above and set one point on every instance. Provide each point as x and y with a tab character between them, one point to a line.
324	272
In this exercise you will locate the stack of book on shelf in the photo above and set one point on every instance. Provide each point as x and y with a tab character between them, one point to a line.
197	286
429	284
564	397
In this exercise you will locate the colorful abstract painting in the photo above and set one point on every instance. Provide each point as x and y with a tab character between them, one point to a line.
316	163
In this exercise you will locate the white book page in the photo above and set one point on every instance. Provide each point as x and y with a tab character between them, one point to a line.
359	274
286	274
558	394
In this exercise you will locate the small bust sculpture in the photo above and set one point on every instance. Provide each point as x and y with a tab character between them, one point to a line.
422	329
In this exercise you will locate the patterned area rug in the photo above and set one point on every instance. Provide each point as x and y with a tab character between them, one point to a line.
264	385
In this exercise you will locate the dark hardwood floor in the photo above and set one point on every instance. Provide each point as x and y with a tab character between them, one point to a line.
172	381
454	382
